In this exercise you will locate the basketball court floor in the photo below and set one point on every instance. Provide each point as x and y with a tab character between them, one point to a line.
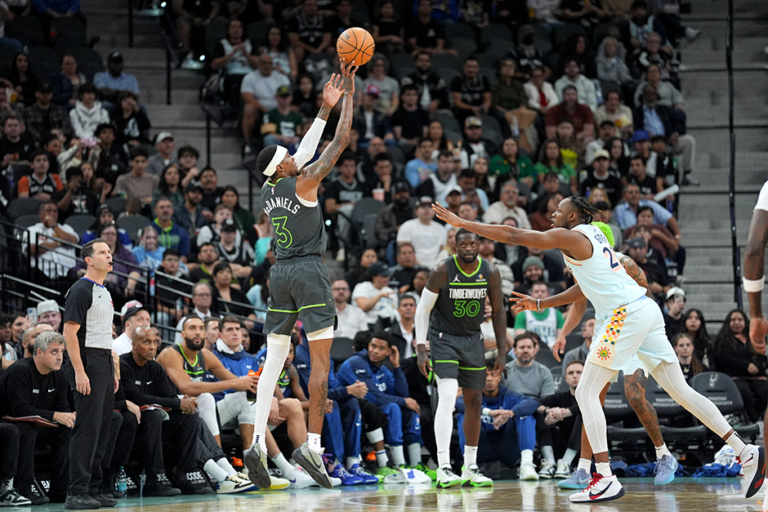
684	495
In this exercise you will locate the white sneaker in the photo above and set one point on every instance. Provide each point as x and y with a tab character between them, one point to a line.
528	472
234	484
547	469
300	480
601	488
563	470
471	476
447	478
752	460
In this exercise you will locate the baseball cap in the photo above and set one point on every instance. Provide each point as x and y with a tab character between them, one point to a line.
128	305
228	226
105	206
675	290
373	90
400	187
601	153
47	306
193	186
452	189
283	91
133	310
640	135
602	205
162	136
532	261
636	243
473	121
424	201
115	56
378	268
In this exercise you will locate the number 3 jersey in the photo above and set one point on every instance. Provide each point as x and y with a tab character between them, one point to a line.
460	306
602	277
297	223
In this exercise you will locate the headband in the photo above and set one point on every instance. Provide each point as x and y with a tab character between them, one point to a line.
280	153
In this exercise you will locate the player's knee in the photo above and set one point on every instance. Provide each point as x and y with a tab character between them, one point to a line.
290	406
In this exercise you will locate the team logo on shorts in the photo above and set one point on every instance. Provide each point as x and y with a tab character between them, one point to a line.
612	332
604	354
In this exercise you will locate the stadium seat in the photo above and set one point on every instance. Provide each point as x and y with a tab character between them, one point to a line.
28	220
403	71
447	74
566	30
464	47
397	155
23	206
447	120
26	29
453	135
67	43
43	61
498	47
458	31
341	350
496	31
545	357
492	130
214	32
573	340
398	60
71	25
89	61
257	31
603	30
542	39
132	224
6	61
617	410
116	204
722	391
487	61
80	223
668	409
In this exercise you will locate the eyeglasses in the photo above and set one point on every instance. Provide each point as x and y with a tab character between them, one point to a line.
345	289
202	295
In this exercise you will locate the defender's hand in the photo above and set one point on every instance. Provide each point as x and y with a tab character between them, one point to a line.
522	302
446	215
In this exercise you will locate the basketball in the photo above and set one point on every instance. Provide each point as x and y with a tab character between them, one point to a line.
356	46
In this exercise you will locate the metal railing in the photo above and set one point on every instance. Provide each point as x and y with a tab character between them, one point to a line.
732	160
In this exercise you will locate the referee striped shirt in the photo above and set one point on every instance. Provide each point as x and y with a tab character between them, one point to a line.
89	305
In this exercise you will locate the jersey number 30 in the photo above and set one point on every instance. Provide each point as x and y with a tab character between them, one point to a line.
614	261
284	237
466	308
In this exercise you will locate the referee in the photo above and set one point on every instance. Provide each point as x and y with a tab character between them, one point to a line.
88	334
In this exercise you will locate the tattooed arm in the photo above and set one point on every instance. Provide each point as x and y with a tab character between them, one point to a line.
636	273
310	177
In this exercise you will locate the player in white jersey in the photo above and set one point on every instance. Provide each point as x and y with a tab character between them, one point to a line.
754	278
632	324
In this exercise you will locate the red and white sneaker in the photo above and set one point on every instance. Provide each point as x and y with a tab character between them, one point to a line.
601	488
752	460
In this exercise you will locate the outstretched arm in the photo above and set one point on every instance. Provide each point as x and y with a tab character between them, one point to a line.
311	176
499	319
754	263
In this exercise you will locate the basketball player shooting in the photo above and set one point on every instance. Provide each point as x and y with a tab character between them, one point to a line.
630	323
300	286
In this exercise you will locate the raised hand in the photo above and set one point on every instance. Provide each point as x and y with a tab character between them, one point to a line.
348	72
522	302
446	215
332	91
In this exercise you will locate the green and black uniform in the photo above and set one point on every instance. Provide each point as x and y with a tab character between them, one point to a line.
300	286
196	368
455	339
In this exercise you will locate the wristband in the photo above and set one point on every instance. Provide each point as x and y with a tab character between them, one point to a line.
538	304
486	411
754	286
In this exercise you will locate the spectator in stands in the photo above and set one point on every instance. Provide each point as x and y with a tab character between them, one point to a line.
389	391
43	116
15	148
169	186
137	183
541	94
436	133
169	234
235	249
654	53
507	92
443	181
527	55
410	122
579	114
511	165
305	97
164	157
388	32
24	81
188	158
430	88
605	133
507	206
551	163
351	319
425	33
309	31
422	166
107	157
576	47
7	107
281	124
191	215
225	296
737	358
244	219
124	263
487	250
427	236
202	294
169	290
369	121
236	57
398	211
673	316
131	123
258	91
695	326
52	258
375	298
611	64
613	110
657	276
276	44
48	313
66	82
525	374
360	271
88	112
41	184
209	181
546	323
113	81
635	30
212	232
207	257
474	144
668	95
402	273
192	18
585	88
148	253
581	352
133	315
689	363
389	90
28	337
626	213
36	388
532	268
471	92
599	175
343	192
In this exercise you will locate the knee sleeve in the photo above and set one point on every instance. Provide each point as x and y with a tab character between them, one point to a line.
278	346
206	404
447	389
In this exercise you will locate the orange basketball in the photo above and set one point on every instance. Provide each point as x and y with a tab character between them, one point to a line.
355	45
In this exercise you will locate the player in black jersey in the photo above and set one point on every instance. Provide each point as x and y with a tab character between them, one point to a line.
457	288
300	285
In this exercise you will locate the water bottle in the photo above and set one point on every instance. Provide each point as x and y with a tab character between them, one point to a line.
250	395
122	481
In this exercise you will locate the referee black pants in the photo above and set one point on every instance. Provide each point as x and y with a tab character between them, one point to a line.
9	450
91	435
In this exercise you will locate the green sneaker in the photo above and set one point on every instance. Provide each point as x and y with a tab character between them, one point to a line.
471	476
384	472
431	473
447	478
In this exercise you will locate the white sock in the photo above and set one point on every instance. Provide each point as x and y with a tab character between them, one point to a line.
470	456
351	461
447	390
398	456
662	451
526	457
278	346
585	464
569	455
225	465
313	440
215	471
381	458
548	453
604	468
414	454
736	443
282	464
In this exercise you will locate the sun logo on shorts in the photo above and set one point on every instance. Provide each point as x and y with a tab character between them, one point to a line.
604	354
